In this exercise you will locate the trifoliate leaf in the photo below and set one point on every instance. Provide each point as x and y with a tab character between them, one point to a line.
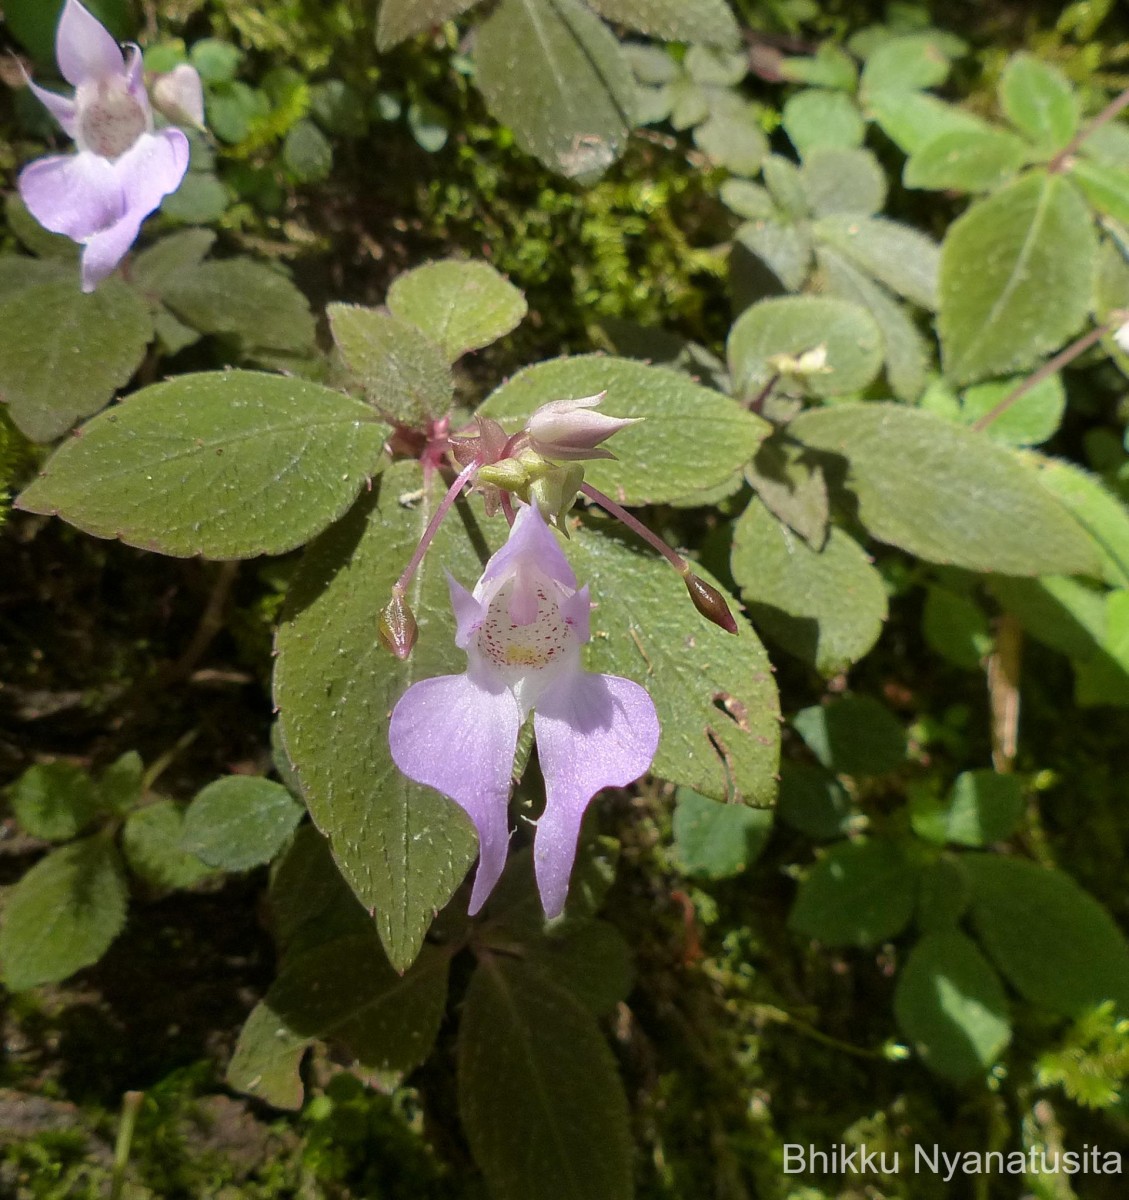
966	160
1039	101
151	841
815	118
843	181
55	801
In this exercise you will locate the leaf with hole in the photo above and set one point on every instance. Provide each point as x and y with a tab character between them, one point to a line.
552	71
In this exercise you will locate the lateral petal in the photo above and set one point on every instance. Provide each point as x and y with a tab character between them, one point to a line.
459	736
75	194
84	47
62	108
593	732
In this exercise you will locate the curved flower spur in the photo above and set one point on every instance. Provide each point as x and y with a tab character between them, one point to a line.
122	171
522	628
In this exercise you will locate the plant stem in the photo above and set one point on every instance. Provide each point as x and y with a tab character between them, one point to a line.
131	1106
636	526
1071	148
1060	360
452	495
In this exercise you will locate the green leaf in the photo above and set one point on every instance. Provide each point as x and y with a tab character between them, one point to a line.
216	60
59	251
240	822
944	895
716	841
910	62
402	371
589	958
905	350
965	160
552	71
830	67
827	607
347	992
267	1060
785	249
786	186
711	68
120	784
1053	942
428	125
543	1107
156	267
790	326
983	807
816	118
55	801
853	735
151	841
307	152
903	259
999	262
311	904
1039	101
1104	517
714	692
461	306
701	21
956	628
813	801
652	466
200	199
64	353
733	140
400	19
19	272
1106	187
245	300
911	119
792	488
843	181
227	464
63	914
403	848
859	894
951	1005
946	494
1031	419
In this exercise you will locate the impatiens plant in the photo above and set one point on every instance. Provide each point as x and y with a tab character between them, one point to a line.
476	633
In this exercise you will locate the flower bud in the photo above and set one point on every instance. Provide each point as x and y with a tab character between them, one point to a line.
567	429
509	474
397	628
709	602
179	95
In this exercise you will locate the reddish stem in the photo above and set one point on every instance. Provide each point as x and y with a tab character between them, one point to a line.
432	526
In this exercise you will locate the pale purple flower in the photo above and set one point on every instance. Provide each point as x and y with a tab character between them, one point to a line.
522	629
99	196
568	429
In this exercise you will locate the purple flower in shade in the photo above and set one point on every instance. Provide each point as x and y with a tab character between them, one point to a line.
99	196
522	629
